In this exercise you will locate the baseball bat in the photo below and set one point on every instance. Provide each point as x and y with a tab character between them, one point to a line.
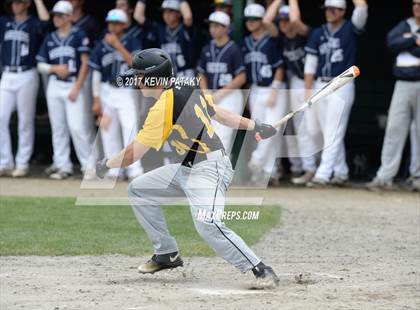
336	83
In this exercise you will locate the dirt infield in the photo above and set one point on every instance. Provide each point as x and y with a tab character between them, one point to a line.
334	249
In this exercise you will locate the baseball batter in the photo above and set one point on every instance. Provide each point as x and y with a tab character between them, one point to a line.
64	55
331	50
20	38
182	116
115	105
265	74
222	71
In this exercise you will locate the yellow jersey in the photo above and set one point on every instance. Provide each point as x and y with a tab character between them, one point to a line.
181	116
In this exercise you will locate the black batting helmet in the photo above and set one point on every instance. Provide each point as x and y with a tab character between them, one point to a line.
152	62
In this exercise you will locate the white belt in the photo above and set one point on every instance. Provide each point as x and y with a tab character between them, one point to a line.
215	155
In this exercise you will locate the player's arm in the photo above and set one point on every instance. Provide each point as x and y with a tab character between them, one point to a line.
113	40
236	121
140	12
311	65
42	10
360	14
132	153
237	82
96	91
203	83
81	77
269	17
295	18
400	39
275	86
186	13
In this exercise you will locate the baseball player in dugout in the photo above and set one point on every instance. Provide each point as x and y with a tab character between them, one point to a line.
64	55
293	34
331	49
182	115
177	36
265	75
221	71
226	6
85	22
404	42
115	107
20	37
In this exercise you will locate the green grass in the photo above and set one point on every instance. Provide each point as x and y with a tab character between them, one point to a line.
55	226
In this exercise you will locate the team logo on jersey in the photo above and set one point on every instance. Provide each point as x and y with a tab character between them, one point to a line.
62	51
16	35
216	67
256	56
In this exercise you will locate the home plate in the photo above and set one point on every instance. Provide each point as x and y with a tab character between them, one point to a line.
224	291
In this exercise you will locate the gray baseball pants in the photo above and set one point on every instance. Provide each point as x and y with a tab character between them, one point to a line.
405	107
204	185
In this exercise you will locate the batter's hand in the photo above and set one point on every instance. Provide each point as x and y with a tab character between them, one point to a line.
263	131
101	168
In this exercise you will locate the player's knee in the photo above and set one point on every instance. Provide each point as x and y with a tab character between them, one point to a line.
134	190
205	229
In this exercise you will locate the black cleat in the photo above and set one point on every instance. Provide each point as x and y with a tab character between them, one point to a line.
265	276
161	262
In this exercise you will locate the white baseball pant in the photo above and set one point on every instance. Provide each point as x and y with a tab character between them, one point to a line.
268	149
297	98
233	101
67	119
331	116
18	91
120	105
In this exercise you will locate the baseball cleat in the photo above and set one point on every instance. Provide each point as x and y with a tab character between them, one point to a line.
161	262
339	181
303	179
5	172
18	173
265	277
317	183
60	175
377	184
50	170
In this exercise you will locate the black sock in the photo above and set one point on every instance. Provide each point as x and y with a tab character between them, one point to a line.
258	270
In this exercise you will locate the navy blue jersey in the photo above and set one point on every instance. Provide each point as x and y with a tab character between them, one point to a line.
180	44
220	64
262	58
336	51
90	26
66	51
20	41
107	60
294	54
145	34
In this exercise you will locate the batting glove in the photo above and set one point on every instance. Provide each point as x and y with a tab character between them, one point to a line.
264	130
101	168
